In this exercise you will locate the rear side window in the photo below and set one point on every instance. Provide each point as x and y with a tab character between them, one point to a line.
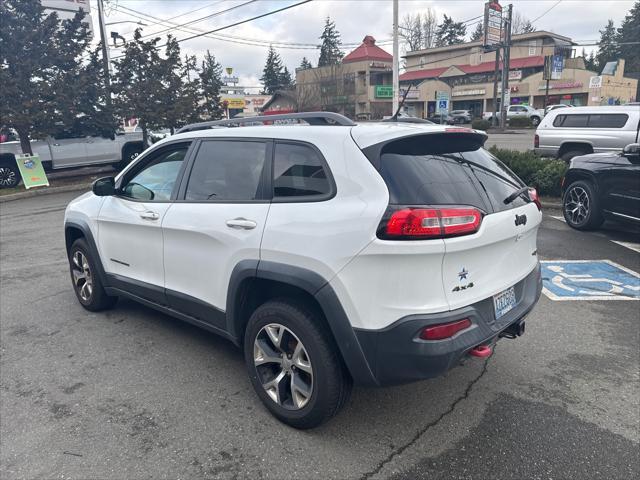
227	171
600	120
299	173
474	178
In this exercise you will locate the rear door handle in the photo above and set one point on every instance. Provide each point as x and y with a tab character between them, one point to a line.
242	223
149	215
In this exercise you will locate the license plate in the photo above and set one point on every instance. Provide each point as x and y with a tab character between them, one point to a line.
504	302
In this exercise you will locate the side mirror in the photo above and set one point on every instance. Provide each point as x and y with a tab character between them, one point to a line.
631	150
104	187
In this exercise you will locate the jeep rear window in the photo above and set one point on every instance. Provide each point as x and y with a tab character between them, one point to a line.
469	177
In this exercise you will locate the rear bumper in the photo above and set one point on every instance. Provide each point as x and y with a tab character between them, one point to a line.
546	152
397	355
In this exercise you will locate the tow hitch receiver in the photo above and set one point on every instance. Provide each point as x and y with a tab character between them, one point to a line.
481	351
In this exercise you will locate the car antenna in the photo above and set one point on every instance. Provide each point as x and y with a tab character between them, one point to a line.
404	97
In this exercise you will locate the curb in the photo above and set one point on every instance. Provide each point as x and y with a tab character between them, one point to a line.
555	205
46	191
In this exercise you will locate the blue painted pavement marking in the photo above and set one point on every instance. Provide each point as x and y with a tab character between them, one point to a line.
589	280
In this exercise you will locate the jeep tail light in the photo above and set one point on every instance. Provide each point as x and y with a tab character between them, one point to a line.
414	223
533	195
444	330
536	141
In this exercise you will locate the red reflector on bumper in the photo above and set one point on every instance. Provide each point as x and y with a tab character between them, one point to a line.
444	330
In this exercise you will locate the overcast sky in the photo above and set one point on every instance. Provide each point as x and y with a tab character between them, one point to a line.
578	19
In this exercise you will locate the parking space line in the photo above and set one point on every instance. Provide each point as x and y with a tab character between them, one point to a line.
630	245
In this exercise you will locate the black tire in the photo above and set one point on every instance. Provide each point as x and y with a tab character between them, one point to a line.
567	156
129	154
535	121
330	381
97	299
9	175
586	214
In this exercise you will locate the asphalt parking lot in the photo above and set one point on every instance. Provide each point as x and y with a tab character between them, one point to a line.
135	394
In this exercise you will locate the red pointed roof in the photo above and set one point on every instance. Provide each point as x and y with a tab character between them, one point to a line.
368	50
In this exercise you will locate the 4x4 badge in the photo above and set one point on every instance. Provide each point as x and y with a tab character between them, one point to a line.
521	220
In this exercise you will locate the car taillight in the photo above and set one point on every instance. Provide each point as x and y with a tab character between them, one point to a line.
533	195
536	141
415	223
444	330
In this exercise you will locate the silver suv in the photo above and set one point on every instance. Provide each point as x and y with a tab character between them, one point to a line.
568	132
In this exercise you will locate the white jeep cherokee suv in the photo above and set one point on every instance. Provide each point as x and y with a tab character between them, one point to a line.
332	253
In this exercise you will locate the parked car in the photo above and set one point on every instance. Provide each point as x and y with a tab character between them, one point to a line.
555	107
442	118
566	133
600	186
519	111
462	116
66	151
373	254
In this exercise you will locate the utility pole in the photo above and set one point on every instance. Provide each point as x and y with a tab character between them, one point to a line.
396	65
494	118
105	49
505	68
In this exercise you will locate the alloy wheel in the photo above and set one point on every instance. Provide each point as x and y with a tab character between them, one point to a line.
283	366
7	177
577	205
82	278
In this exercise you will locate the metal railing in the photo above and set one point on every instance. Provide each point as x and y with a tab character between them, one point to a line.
311	118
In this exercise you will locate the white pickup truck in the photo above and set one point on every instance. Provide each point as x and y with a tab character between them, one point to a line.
524	111
67	152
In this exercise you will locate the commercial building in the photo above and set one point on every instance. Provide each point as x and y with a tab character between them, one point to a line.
465	73
358	87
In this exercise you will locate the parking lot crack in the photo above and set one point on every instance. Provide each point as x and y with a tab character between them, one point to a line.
400	450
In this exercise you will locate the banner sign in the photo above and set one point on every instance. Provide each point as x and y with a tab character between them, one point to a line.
31	171
557	64
384	91
492	24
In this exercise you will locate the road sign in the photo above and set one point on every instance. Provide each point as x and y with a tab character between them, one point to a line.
443	105
589	280
31	171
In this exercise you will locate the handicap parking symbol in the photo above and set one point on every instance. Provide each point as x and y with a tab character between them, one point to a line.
589	280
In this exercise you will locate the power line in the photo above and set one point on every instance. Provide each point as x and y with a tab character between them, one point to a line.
232	38
272	12
546	11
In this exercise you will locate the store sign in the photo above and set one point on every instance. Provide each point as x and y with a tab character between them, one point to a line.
515	74
560	86
492	24
380	65
230	79
234	102
413	94
31	171
384	91
595	82
466	93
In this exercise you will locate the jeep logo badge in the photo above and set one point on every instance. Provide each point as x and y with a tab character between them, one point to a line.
521	220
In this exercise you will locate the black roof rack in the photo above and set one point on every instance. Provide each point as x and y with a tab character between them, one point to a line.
312	118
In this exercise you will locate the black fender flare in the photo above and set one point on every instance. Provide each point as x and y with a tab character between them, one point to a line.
88	236
318	287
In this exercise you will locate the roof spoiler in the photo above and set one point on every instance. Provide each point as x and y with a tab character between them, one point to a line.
312	118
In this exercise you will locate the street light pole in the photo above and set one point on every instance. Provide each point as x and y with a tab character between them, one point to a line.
105	49
396	65
505	69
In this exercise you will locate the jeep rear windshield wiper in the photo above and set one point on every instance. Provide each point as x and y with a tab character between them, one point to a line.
515	195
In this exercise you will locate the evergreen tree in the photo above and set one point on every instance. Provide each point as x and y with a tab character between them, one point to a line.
211	80
37	52
450	32
478	33
286	81
138	84
272	73
305	64
171	80
607	46
192	92
629	34
589	60
330	53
